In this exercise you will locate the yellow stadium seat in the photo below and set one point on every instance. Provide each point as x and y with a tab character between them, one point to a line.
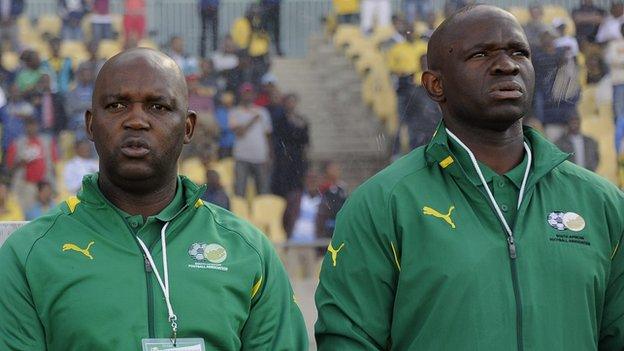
240	207
148	43
368	60
193	169
10	60
385	107
108	48
61	191
49	24
66	141
117	23
25	30
23	23
75	50
225	168
587	104
521	13
345	35
420	28
381	34
267	212
85	25
358	47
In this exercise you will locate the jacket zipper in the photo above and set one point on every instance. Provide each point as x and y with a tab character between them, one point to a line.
516	289
150	298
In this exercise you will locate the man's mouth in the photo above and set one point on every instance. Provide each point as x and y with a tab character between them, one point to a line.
506	91
135	148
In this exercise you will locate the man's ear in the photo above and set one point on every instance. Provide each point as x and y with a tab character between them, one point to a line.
89	124
191	119
432	82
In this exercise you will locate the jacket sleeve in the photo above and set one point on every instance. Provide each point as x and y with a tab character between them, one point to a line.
20	327
275	322
612	327
611	336
355	296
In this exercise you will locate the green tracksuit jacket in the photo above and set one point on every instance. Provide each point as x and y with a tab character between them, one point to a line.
76	279
419	260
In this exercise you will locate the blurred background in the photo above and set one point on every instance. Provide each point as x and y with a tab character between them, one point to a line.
299	101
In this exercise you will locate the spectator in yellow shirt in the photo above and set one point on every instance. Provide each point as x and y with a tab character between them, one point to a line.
403	60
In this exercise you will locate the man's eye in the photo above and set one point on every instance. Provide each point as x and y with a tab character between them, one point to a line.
524	53
115	106
478	55
159	107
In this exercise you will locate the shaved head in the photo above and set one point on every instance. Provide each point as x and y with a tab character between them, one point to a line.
157	61
139	120
480	69
440	44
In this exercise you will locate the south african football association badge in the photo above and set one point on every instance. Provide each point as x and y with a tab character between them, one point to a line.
567	221
207	256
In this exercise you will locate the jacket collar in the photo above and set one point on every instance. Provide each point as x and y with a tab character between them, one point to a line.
187	192
546	156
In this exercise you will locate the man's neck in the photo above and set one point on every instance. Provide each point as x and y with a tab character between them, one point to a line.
146	202
499	150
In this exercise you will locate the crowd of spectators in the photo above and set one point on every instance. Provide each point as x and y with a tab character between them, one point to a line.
242	114
583	46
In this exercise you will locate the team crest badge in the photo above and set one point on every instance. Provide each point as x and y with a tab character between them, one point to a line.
566	221
208	256
213	253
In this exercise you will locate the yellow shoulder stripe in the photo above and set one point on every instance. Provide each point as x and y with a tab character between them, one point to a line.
446	162
615	251
72	202
396	258
256	287
199	203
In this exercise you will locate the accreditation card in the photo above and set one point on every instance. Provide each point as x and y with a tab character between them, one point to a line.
182	344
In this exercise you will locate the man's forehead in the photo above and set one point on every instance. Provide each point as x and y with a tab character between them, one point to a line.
488	29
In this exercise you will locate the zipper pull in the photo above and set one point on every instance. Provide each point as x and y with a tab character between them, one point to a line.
148	266
512	246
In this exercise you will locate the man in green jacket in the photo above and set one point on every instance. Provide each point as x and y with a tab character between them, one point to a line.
136	261
486	238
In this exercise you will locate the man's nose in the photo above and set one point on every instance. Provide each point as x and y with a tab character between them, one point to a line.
505	65
137	117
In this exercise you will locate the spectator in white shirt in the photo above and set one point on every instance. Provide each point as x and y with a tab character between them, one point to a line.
79	166
567	42
614	57
225	59
252	148
610	26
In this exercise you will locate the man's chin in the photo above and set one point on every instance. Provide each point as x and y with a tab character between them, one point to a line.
502	119
135	173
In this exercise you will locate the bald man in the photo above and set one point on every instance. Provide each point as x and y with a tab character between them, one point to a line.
137	261
486	238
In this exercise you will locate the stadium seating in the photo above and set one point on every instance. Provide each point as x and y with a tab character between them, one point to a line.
10	60
240	207
193	169
551	12
49	23
108	48
225	168
266	214
75	50
345	35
